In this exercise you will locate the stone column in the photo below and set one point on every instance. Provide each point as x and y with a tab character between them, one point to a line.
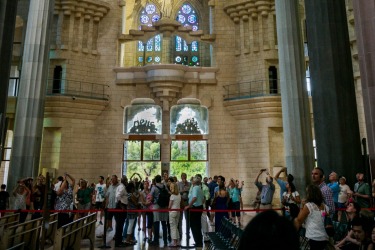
166	54
211	5
8	12
30	102
295	105
335	111
364	12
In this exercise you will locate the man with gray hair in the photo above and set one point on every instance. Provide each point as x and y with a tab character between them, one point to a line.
196	199
267	190
334	186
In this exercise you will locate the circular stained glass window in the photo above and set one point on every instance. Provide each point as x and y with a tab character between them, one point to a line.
195	27
194	59
140	59
150	8
186	9
192	19
155	18
178	59
157	59
181	18
149	59
144	19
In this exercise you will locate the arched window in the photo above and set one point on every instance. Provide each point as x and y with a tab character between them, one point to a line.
152	53
184	53
142	149
188	127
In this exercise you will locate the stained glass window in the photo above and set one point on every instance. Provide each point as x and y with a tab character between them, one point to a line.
187	54
148	16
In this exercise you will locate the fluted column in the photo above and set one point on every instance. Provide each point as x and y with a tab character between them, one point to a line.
166	55
30	102
364	12
332	84
295	106
8	11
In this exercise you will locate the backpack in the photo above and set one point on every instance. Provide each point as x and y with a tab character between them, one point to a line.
163	199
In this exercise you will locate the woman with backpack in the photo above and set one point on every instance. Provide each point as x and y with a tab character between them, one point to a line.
160	200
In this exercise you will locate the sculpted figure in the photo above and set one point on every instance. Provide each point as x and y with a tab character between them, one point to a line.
166	8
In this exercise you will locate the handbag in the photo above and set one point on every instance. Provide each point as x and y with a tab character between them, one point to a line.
328	224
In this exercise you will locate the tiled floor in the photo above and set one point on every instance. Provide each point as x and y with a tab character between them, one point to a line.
142	244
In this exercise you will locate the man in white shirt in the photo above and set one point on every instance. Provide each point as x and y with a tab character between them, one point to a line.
110	200
100	190
120	217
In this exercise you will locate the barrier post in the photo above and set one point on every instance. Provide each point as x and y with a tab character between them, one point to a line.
105	230
187	231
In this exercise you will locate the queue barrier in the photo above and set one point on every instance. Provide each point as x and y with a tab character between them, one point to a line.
8	220
69	236
23	234
52	227
227	237
11	221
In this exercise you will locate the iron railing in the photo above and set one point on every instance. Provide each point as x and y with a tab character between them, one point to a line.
14	83
66	87
251	89
75	88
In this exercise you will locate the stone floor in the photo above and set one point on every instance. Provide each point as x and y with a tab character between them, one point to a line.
142	243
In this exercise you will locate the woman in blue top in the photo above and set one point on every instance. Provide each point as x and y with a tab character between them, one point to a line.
234	194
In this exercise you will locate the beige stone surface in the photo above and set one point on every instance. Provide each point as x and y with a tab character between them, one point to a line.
84	137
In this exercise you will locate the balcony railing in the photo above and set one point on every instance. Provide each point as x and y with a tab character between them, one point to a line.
251	89
13	86
65	87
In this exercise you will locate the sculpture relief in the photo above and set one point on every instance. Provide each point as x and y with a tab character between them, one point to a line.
166	8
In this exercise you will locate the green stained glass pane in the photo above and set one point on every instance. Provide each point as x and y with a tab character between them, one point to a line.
179	150
132	150
198	150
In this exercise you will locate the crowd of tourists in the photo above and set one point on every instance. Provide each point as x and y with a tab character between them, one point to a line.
163	201
323	204
161	205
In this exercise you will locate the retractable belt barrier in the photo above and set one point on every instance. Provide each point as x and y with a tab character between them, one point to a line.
116	210
156	210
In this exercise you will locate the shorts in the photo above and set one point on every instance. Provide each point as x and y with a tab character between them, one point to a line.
99	205
110	215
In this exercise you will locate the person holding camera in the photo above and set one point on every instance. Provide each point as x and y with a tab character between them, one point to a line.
267	190
20	192
64	200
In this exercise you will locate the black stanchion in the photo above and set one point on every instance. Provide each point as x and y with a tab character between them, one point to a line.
105	230
187	246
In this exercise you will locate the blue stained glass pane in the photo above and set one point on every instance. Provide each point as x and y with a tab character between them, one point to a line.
140	59
150	8
155	18
178	59
149	59
150	45
194	46
158	43
144	19
157	59
192	18
186	48
140	46
178	43
194	59
195	27
186	9
181	18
